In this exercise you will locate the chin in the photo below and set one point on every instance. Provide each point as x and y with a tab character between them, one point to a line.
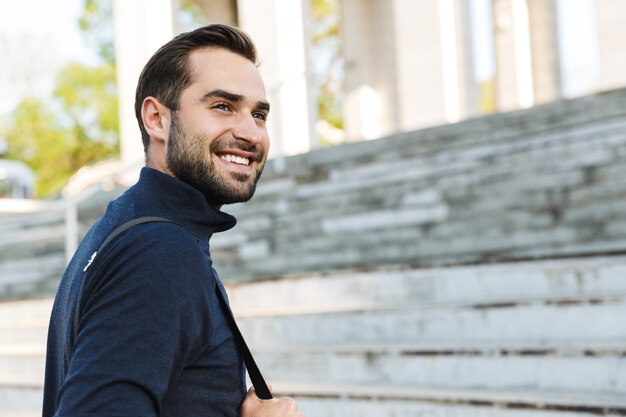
232	195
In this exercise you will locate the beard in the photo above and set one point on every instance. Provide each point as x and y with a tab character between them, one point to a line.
191	162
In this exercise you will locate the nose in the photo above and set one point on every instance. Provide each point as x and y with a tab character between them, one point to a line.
247	128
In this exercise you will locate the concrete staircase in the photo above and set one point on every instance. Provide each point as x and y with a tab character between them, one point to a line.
33	242
23	331
543	181
475	269
544	338
32	255
528	338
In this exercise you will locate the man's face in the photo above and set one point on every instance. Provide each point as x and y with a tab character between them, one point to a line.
218	140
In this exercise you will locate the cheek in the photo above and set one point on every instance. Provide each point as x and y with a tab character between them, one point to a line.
198	147
265	142
204	126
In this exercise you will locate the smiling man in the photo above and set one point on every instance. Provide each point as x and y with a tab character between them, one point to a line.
138	328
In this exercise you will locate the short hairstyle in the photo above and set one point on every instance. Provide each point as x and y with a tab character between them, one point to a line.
168	72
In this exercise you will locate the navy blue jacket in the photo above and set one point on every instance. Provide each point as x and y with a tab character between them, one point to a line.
152	339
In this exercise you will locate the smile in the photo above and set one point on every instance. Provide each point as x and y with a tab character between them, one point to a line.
235	159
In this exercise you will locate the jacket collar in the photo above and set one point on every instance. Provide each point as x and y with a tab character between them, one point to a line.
166	196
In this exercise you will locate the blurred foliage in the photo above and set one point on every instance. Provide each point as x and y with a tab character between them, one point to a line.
190	16
328	65
54	146
89	97
96	23
78	125
487	94
326	14
37	139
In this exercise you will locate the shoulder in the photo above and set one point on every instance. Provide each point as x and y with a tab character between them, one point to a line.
156	238
163	254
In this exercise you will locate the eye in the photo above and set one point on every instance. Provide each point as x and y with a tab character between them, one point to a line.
222	106
260	116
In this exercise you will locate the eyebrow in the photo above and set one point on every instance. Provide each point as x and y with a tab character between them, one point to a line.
235	98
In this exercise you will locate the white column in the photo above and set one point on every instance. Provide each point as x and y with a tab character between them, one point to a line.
579	56
141	27
426	62
545	50
469	88
278	30
611	34
514	78
407	65
450	54
218	11
367	36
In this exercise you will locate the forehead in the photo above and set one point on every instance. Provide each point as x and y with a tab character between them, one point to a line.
219	68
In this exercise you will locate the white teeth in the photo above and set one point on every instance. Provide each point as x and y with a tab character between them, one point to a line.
236	159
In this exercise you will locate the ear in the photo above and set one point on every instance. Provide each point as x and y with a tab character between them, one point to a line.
156	120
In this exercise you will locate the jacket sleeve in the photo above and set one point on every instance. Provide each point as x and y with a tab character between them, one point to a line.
144	316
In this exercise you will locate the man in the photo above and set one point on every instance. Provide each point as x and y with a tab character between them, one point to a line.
149	336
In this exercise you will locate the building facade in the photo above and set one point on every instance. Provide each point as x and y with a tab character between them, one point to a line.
407	64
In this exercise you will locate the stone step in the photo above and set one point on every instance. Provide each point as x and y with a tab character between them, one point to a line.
40	235
32	252
20	401
553	281
33	413
23	396
45	217
38	276
598	403
543	322
331	400
24	325
25	366
568	349
470	370
564	147
439	406
14	314
494	128
541	161
339	407
33	335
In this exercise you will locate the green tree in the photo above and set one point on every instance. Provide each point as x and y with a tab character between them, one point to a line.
96	23
88	96
328	68
190	16
78	125
36	137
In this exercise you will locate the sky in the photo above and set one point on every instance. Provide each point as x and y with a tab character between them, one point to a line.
37	37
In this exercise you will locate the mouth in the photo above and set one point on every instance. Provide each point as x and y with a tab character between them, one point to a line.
239	160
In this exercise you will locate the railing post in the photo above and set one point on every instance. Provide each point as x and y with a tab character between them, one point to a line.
71	229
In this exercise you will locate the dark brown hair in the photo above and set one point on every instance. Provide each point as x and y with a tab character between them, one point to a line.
168	72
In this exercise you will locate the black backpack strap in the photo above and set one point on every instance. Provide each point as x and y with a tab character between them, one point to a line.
119	229
260	386
125	226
